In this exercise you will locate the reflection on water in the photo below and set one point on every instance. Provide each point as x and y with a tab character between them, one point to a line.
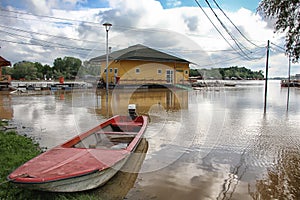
282	180
145	99
6	111
207	144
123	181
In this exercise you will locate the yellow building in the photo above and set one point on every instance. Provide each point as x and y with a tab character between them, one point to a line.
141	65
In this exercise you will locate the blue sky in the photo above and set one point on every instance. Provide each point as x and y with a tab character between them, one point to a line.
225	4
173	26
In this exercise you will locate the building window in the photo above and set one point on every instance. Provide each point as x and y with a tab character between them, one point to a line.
110	70
137	70
116	70
159	71
186	72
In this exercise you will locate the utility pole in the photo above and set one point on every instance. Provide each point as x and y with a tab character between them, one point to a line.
266	79
289	81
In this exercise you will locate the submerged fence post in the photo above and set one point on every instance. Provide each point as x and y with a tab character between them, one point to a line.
266	79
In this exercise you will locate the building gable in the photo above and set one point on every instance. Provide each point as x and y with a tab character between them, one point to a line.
140	52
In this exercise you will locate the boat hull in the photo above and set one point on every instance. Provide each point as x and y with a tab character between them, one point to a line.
86	161
79	183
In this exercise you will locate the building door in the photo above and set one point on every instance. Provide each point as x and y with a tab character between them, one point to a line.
116	77
169	76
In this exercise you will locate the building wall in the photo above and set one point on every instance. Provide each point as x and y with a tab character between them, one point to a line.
142	72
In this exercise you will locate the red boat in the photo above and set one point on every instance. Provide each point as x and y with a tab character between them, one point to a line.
86	161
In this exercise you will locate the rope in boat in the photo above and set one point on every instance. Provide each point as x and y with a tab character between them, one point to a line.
21	175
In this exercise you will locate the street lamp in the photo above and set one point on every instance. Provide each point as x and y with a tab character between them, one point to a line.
107	27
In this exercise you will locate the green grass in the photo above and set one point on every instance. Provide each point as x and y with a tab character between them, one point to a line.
16	150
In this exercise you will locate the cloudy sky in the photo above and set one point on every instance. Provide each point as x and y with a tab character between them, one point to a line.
230	33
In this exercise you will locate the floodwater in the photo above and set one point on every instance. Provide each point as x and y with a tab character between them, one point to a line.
214	143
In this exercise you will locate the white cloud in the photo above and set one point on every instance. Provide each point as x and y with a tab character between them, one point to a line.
173	3
182	31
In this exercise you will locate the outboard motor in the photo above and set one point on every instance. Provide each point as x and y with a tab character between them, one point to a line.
131	111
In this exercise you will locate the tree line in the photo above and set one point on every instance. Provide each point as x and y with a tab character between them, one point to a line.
67	67
71	68
233	72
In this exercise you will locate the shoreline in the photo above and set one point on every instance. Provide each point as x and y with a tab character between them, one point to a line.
18	149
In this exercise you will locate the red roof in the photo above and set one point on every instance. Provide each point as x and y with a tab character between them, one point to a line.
4	62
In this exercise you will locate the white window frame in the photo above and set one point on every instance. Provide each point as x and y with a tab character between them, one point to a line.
170	76
137	70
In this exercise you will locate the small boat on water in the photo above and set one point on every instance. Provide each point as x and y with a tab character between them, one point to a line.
290	83
86	161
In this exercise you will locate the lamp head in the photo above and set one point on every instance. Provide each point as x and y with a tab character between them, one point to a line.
107	26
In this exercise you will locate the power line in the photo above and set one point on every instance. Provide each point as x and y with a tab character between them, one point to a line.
225	28
279	47
217	28
50	17
71	21
116	26
48	46
231	59
234	24
63	46
45	34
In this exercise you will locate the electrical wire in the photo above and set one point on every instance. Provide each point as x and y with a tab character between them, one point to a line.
234	58
45	34
48	46
232	37
116	26
51	17
234	24
57	45
279	47
71	22
217	28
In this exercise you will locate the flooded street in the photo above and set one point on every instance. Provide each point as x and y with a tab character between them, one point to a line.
214	143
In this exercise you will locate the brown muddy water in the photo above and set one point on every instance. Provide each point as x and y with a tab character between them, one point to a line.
214	143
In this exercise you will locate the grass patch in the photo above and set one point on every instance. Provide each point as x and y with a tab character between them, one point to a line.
16	150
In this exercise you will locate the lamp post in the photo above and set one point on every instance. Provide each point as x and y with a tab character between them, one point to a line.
107	27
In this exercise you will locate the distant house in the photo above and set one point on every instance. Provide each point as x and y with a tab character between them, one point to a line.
141	65
4	79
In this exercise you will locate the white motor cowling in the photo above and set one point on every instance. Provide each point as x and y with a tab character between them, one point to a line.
131	111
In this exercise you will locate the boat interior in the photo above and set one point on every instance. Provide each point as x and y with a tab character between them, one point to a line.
113	136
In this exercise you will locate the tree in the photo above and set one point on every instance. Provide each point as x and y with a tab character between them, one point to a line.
194	72
287	15
25	70
67	67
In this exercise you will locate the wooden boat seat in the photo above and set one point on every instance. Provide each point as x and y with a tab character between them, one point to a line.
119	133
127	124
126	127
107	140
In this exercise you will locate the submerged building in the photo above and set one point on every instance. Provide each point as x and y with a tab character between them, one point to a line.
143	66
